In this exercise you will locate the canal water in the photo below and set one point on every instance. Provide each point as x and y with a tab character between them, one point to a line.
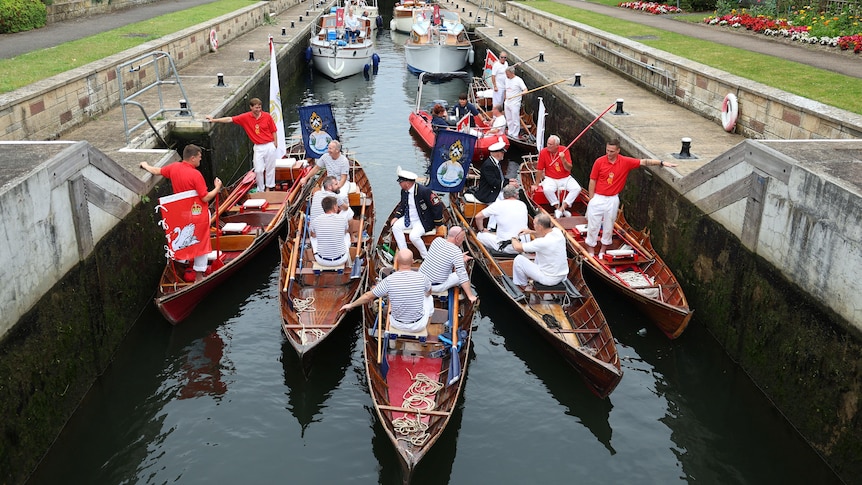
221	397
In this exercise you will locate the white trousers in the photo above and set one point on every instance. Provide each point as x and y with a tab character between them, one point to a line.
513	117
490	241
427	309
524	270
416	232
337	262
451	282
601	214
264	165
200	264
551	186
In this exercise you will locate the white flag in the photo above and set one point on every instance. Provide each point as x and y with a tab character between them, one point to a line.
275	101
540	126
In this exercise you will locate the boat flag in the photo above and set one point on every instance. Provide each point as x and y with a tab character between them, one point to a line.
339	17
275	102
186	221
464	123
435	20
450	160
318	128
490	59
540	126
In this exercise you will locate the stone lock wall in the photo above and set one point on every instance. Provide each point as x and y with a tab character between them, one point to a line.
59	11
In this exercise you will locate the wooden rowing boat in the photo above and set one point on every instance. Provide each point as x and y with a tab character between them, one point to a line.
392	366
176	297
480	94
571	321
636	272
311	297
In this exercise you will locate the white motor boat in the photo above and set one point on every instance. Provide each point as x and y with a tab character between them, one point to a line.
437	43
334	52
402	15
367	9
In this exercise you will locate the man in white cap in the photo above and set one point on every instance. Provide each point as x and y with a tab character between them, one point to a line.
491	179
554	173
420	211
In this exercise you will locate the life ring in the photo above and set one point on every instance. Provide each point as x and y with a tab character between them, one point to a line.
729	112
213	40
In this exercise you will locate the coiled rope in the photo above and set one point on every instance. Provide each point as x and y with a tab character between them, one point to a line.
307	305
417	397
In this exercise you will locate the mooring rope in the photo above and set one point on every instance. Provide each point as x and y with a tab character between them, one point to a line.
303	304
316	332
417	397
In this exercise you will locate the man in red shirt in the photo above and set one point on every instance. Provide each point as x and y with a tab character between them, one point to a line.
607	180
555	174
261	130
184	176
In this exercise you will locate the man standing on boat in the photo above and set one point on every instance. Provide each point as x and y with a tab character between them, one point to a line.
335	164
607	179
420	211
409	292
554	173
549	244
511	216
444	265
184	176
498	78
261	130
464	108
515	87
330	236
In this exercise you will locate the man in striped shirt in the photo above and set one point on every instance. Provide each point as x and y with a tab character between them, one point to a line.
444	264
409	295
328	190
330	238
335	164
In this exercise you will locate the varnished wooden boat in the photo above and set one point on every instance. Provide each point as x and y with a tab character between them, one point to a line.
176	297
311	298
390	365
480	93
640	275
571	321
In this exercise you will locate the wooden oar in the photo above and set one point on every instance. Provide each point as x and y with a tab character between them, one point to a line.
291	267
357	261
525	60
538	88
241	189
380	329
454	359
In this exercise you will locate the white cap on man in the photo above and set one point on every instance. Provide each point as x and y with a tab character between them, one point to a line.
500	146
405	175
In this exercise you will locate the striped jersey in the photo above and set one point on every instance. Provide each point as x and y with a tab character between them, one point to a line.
406	290
442	258
329	230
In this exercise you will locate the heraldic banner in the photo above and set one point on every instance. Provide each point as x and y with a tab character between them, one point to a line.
186	221
318	128
450	160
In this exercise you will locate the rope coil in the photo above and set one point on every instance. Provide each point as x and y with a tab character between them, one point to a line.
417	397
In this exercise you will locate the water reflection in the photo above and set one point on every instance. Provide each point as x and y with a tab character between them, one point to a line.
309	389
563	382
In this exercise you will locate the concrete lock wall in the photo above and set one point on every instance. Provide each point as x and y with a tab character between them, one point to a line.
764	112
47	108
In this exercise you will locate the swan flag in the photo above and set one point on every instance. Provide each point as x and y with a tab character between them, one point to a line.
540	126
450	160
186	221
275	103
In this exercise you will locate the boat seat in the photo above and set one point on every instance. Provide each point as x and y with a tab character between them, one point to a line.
317	268
565	287
235	228
286	162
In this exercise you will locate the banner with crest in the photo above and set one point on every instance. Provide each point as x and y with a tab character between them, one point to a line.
318	128
186	221
450	160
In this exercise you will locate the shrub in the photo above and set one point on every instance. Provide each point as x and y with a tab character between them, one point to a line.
21	15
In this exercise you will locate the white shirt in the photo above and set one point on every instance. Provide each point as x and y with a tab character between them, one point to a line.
550	253
514	87
511	217
498	70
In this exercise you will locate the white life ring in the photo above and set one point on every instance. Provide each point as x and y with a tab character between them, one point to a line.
729	112
213	40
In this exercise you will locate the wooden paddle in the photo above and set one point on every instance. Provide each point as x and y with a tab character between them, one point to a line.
380	329
357	261
291	267
454	359
538	88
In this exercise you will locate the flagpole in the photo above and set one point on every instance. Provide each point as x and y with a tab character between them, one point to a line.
590	125
275	102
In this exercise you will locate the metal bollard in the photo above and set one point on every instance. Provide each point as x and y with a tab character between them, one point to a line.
577	82
541	56
500	33
685	151
220	83
251	55
283	31
619	110
292	26
184	108
516	42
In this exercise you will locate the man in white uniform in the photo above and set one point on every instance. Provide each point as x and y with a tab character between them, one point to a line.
514	87
549	244
498	78
511	216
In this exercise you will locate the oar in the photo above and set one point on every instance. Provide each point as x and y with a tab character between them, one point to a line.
526	60
380	330
590	125
454	359
291	267
357	261
538	88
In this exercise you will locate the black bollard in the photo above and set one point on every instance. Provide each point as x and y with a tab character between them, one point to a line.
619	110
516	42
541	56
500	33
220	83
577	82
292	26
283	31
251	56
685	151
184	108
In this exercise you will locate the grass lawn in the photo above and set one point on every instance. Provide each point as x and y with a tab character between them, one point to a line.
823	86
28	68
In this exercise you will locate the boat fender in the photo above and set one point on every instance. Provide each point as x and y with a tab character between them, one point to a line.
379	22
471	56
309	54
213	40
365	70
375	62
729	112
392	24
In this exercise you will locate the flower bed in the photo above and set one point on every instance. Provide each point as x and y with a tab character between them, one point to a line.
841	30
651	7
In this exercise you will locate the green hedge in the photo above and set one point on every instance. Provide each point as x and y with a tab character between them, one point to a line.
21	15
